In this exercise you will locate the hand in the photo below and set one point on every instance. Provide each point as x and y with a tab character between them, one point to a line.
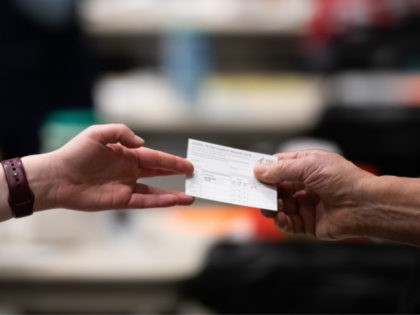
320	193
99	169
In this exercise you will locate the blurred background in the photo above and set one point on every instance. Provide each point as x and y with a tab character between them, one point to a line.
262	75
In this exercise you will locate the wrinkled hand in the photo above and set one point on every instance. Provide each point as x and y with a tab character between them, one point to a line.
99	169
320	193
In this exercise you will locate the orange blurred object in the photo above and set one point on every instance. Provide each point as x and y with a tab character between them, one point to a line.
411	89
223	221
238	222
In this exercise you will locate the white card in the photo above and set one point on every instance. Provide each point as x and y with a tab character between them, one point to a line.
226	174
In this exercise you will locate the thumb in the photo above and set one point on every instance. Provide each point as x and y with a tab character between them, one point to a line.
282	170
115	133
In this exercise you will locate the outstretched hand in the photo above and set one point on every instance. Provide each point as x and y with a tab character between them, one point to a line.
99	169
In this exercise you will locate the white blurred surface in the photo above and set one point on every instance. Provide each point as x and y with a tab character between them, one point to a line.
64	244
140	16
227	102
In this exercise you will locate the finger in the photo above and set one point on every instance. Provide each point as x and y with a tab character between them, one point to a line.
152	173
288	188
139	201
280	205
297	224
282	170
147	189
291	166
268	213
306	211
285	189
298	154
290	205
153	159
115	133
283	222
151	197
289	155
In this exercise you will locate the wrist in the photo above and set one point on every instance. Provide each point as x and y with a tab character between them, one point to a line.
362	206
5	209
393	210
40	173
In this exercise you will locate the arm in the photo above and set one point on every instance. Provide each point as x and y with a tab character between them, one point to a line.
394	211
98	170
5	211
324	195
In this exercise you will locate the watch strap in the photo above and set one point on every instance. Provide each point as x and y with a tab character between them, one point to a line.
21	198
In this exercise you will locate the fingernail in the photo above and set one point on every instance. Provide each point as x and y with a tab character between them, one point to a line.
139	139
280	226
260	168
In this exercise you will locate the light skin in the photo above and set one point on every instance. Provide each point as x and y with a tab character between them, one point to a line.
323	195
99	170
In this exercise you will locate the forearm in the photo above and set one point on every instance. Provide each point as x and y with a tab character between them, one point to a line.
392	209
5	210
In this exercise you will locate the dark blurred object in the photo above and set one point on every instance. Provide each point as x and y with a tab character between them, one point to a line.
386	137
368	34
44	65
329	278
374	115
410	297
